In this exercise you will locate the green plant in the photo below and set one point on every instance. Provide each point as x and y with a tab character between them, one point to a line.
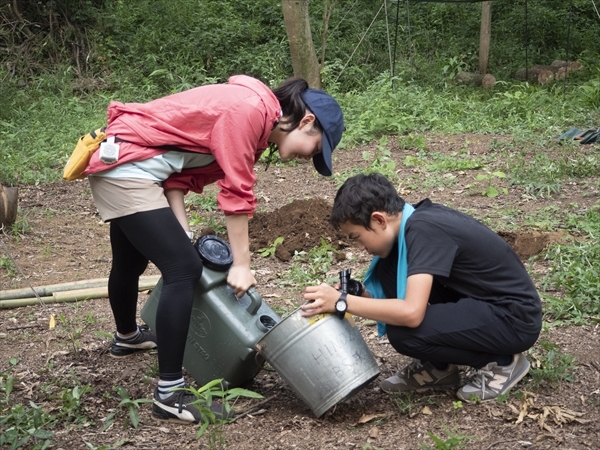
7	263
21	225
270	250
71	399
382	161
590	91
206	202
205	396
127	403
573	272
310	268
486	181
412	141
551	365
407	402
22	427
453	441
74	327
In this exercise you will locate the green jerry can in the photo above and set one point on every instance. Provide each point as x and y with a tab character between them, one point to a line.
223	328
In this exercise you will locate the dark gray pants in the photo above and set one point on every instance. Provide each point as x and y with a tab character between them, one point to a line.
461	331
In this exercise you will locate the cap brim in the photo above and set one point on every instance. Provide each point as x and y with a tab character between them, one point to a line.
322	161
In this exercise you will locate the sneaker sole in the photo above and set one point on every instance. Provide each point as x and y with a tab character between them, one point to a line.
129	352
162	415
429	388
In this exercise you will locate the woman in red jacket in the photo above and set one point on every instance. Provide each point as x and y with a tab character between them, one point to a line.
179	143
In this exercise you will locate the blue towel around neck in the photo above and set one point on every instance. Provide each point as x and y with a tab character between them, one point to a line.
373	285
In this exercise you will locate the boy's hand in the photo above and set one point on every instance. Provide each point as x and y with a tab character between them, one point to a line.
320	299
240	278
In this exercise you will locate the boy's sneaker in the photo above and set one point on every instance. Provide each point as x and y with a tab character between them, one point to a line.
419	377
145	340
493	380
178	408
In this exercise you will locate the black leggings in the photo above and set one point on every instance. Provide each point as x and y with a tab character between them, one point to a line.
155	236
461	331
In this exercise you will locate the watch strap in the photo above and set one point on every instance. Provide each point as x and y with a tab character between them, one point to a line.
342	299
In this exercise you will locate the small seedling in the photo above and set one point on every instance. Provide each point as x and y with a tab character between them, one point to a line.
131	405
270	250
454	440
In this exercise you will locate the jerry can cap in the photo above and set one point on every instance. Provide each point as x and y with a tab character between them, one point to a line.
214	252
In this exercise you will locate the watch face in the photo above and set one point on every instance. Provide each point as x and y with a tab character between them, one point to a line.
340	306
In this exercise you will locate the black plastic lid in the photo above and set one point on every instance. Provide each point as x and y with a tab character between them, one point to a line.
214	252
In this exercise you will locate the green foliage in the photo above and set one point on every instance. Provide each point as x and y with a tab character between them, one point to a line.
454	440
270	250
551	366
21	225
145	49
30	426
8	265
130	405
310	269
590	91
574	273
72	328
485	184
543	172
204	202
407	403
228	397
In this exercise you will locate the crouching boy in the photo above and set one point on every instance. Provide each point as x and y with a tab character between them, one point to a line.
447	290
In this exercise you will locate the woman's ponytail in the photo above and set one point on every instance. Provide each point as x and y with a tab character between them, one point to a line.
289	94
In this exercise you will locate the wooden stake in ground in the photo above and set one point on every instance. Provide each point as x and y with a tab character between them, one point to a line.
8	205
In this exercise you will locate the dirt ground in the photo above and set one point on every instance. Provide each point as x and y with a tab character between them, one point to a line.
66	241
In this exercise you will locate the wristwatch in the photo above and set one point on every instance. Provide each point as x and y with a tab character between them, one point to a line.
341	306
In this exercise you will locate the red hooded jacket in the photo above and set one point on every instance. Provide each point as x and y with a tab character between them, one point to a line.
230	121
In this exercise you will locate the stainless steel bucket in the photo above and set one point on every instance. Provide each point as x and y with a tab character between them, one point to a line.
325	360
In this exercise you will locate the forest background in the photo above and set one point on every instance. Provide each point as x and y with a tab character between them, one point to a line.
62	61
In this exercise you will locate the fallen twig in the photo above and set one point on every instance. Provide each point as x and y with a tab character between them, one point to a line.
252	408
24	326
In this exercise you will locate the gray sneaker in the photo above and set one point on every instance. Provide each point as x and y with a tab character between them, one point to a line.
419	377
493	380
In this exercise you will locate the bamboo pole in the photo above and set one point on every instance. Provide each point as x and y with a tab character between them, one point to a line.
149	281
74	295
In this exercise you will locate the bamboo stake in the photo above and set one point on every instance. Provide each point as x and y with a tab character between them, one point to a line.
74	295
148	281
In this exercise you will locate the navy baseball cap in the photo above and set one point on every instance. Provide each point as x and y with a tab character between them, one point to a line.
329	114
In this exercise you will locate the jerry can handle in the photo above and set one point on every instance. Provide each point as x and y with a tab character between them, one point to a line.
255	301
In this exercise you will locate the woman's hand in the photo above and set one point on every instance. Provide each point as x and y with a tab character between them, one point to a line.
320	299
240	278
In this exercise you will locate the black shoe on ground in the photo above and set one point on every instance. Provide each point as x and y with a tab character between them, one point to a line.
146	340
179	408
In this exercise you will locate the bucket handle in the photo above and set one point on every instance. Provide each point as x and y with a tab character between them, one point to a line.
255	301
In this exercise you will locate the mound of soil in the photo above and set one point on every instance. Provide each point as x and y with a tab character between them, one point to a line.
302	224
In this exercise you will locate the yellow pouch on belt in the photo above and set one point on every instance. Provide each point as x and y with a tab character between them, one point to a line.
80	158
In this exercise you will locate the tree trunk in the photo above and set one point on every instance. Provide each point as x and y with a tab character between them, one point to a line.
476	79
536	74
8	205
485	36
302	49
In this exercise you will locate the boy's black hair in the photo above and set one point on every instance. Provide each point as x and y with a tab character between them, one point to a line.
360	196
289	94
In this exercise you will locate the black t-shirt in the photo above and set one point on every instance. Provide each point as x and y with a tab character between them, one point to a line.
467	257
